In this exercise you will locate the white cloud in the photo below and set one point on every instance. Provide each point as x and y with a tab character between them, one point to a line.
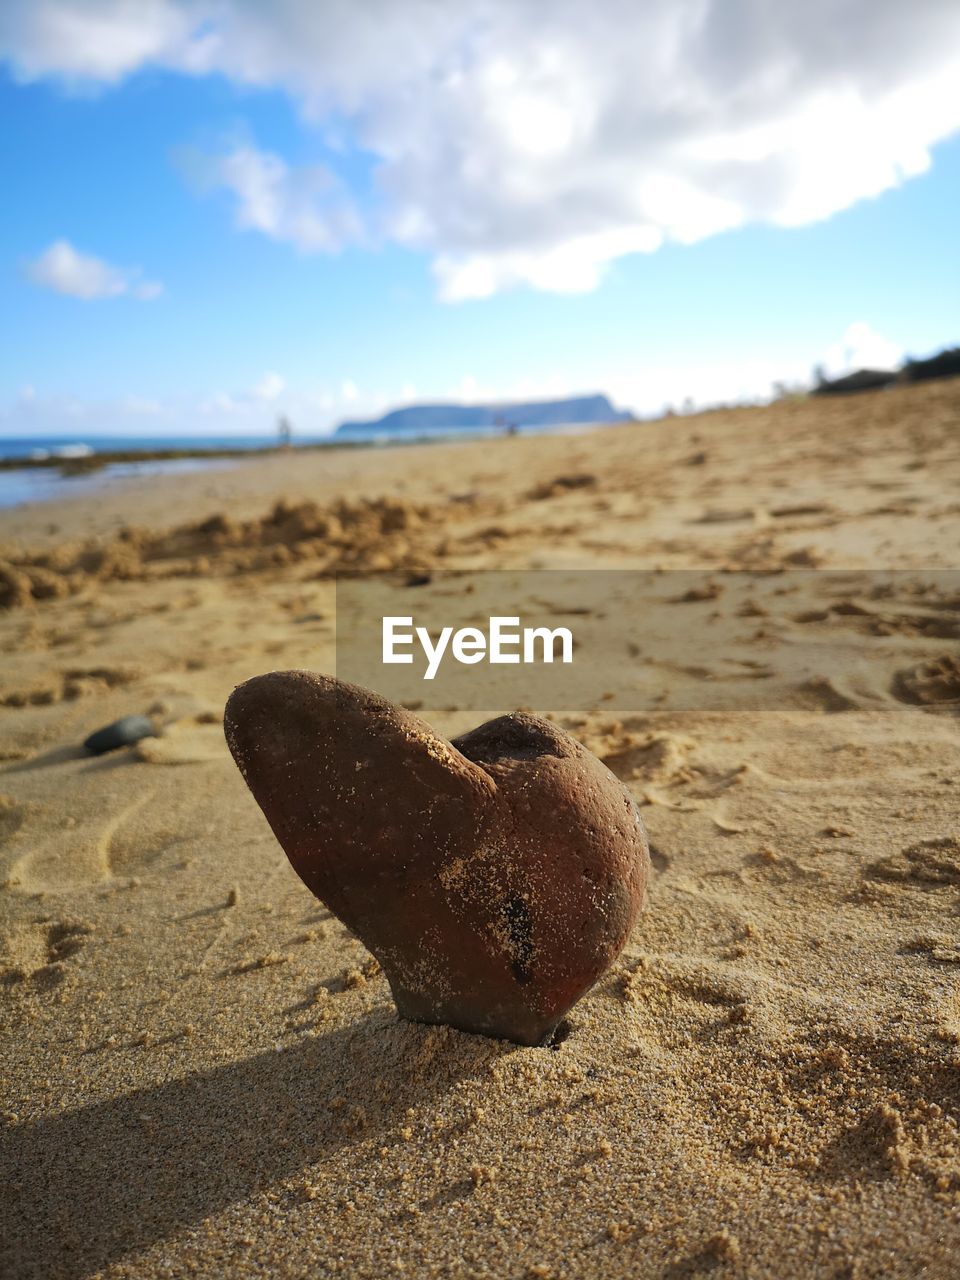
98	42
349	391
307	207
64	269
526	144
573	267
269	387
861	348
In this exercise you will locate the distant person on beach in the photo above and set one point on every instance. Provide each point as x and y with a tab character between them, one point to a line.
284	431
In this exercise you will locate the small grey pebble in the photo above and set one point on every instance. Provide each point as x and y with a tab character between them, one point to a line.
122	733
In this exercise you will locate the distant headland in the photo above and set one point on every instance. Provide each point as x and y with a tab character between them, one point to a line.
577	410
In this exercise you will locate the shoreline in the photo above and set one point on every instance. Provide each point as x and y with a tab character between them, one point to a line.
83	463
25	483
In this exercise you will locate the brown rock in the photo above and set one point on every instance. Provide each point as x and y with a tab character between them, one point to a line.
495	878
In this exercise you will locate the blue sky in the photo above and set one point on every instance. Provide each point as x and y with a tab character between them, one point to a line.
205	225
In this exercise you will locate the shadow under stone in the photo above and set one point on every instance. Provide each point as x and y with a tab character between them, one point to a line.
97	1184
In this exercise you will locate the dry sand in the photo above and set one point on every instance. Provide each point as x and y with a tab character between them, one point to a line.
203	1072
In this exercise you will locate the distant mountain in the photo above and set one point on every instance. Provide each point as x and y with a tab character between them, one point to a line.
434	417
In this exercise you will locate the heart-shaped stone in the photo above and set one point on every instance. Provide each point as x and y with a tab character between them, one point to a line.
495	878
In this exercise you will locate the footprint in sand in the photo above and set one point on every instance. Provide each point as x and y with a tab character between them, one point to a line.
64	857
654	757
929	684
929	862
38	951
66	686
672	998
823	693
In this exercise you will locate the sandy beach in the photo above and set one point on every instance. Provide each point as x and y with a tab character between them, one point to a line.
202	1070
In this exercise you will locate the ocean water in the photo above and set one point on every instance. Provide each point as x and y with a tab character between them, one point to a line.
25	448
20	448
48	484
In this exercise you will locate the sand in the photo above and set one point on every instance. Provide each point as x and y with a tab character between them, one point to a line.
202	1071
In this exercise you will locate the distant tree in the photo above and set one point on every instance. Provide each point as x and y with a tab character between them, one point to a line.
945	364
861	380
